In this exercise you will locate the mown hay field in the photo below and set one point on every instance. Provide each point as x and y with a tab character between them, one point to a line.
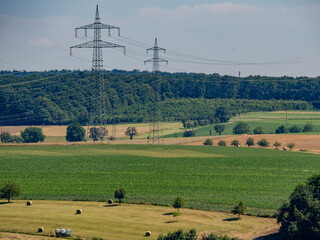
214	178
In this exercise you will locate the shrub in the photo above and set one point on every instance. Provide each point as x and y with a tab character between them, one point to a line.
295	129
208	142
258	130
241	128
179	235
9	190
250	142
291	145
239	209
263	143
120	194
178	203
176	214
32	135
98	133
277	144
222	143
75	133
235	143
281	129
300	217
188	134
308	127
5	137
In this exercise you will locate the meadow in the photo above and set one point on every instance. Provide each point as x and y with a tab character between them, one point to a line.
208	178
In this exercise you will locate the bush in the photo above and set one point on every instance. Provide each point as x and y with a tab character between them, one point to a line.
5	137
208	142
179	235
291	145
188	134
235	143
258	130
75	133
178	203
241	128
300	217
277	144
281	129
308	127
9	190
263	143
222	143
32	135
295	129
98	133
250	142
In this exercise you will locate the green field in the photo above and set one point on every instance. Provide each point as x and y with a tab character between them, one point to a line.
269	121
206	177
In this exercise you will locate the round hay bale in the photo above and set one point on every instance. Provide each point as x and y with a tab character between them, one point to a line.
40	229
29	203
79	211
110	201
148	233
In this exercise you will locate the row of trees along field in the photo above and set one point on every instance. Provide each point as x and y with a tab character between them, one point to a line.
60	97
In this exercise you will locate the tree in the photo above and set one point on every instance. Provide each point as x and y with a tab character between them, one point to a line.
180	235
281	129
222	143
308	127
9	190
208	142
239	209
263	143
5	137
188	134
277	144
222	115
219	128
131	131
32	135
178	203
75	132
250	142
241	128
258	130
98	133
235	143
300	217
120	194
291	145
295	129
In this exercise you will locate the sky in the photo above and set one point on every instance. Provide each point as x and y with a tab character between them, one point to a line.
243	37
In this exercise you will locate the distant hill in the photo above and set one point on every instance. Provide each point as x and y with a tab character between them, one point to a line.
59	97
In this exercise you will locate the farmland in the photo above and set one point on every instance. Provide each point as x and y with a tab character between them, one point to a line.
213	178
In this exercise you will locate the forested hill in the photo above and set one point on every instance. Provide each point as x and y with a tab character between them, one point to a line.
58	97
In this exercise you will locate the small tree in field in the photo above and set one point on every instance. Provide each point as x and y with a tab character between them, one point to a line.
308	127
176	215
178	203
250	142
10	190
219	128
208	142
32	135
235	143
75	132
258	130
239	209
222	143
131	131
241	128
189	133
263	143
120	194
98	133
291	145
5	137
277	144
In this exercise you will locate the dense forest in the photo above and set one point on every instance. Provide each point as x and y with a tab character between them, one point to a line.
59	97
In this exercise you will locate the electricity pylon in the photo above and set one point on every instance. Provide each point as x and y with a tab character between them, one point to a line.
98	98
155	128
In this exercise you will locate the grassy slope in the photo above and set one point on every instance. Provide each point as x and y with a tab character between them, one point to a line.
122	222
206	177
269	121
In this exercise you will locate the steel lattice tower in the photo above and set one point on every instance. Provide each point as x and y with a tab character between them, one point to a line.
155	128
99	98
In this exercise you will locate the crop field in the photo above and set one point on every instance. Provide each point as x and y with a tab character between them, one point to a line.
206	177
269	121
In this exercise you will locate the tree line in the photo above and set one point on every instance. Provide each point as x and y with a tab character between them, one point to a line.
60	97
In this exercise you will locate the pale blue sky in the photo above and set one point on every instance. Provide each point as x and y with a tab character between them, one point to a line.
266	37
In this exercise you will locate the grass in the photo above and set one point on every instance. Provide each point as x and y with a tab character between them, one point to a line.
125	221
269	121
206	177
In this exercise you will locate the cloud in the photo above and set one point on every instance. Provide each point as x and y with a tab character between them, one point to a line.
40	42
